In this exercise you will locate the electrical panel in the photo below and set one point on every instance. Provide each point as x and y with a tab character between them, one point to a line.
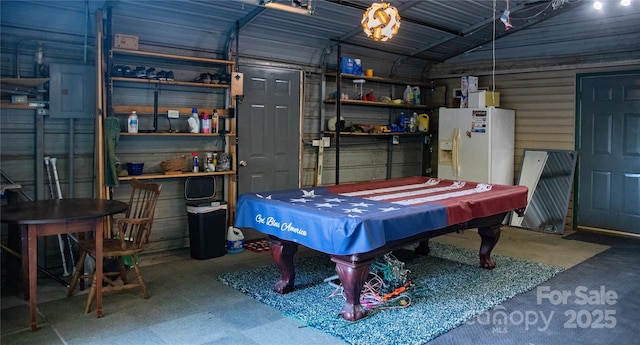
72	91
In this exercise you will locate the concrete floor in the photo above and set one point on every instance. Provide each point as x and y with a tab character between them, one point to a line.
189	306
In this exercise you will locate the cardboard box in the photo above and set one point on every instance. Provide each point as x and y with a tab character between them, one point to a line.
125	41
467	84
483	99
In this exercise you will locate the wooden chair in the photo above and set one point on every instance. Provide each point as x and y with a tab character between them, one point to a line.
133	234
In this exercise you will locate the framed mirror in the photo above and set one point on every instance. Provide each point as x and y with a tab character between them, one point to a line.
549	176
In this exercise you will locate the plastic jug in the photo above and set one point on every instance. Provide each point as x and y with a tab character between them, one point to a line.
415	91
235	241
423	122
407	95
194	121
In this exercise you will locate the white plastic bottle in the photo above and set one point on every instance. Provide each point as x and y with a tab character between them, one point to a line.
194	121
132	122
407	96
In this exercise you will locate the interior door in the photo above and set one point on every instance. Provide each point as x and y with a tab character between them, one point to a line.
609	152
269	130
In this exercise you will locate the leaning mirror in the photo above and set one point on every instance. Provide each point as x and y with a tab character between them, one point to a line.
549	176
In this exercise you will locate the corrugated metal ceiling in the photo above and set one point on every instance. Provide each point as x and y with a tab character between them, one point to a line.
432	31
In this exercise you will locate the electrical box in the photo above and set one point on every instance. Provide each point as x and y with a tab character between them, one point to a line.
72	91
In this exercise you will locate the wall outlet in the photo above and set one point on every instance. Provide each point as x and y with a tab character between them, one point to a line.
396	140
173	114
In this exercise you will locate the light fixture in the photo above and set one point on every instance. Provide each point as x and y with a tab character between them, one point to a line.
597	5
296	6
625	2
381	21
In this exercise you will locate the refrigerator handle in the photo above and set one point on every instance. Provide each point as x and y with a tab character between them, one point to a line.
456	153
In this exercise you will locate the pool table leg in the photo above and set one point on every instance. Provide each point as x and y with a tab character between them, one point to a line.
282	253
422	248
490	236
352	276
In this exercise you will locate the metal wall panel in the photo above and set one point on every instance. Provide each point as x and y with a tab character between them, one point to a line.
543	99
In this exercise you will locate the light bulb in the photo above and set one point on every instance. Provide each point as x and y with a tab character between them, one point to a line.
597	5
625	2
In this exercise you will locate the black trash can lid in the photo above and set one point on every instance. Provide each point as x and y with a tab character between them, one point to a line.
200	188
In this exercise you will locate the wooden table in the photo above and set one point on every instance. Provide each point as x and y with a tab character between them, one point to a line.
53	217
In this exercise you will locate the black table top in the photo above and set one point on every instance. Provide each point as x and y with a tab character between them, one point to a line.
59	210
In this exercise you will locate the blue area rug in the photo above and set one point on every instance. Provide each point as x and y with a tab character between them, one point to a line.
449	289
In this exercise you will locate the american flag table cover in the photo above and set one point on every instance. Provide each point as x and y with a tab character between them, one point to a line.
359	217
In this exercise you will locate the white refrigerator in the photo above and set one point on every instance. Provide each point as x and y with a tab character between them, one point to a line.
476	144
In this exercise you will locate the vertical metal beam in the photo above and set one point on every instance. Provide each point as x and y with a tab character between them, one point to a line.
338	98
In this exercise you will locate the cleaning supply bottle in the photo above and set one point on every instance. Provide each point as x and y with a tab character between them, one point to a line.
235	241
415	91
413	122
132	122
407	96
194	121
205	123
214	121
402	122
196	165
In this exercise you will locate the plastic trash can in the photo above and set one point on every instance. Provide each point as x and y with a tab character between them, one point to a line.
207	229
207	218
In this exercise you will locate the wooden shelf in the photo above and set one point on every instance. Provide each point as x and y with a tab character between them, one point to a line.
386	134
170	56
169	82
378	104
380	79
24	82
29	105
148	110
183	174
180	134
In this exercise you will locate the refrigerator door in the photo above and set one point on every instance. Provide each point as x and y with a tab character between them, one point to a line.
475	134
476	144
447	125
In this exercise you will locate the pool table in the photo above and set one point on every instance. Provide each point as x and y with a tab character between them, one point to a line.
355	223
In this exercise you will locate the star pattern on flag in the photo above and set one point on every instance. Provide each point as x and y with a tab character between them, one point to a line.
334	200
347	205
360	204
309	194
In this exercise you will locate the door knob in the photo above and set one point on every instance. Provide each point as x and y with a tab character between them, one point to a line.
243	163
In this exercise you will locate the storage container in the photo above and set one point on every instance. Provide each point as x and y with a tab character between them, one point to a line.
135	169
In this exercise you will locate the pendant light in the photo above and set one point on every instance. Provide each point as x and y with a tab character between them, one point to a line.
381	21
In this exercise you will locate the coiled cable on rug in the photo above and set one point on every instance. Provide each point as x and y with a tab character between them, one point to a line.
387	286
